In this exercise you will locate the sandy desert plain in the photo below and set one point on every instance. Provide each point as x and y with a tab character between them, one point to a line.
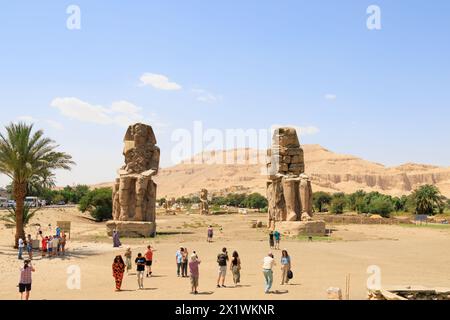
406	254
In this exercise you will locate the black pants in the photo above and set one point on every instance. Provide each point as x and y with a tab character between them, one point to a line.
184	269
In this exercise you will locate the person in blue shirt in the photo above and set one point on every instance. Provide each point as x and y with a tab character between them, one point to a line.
277	236
179	260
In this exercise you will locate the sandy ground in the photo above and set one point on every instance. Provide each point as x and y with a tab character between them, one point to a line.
406	256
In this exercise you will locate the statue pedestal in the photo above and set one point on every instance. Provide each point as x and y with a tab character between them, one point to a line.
132	229
307	228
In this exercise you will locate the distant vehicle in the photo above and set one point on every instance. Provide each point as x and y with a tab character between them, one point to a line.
3	202
61	203
32	202
11	204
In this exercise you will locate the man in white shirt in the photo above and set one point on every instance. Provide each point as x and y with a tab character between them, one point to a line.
269	263
21	245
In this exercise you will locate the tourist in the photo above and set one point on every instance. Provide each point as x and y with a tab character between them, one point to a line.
25	280
55	245
222	260
277	236
116	239
271	240
149	261
195	273
39	232
44	246
235	268
29	244
58	231
50	246
128	256
140	262
285	267
20	247
210	234
185	263
179	260
118	269
269	263
62	243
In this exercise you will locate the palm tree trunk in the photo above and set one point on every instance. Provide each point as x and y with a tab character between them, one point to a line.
20	191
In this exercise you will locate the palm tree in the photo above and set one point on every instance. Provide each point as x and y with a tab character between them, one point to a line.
427	198
11	216
24	157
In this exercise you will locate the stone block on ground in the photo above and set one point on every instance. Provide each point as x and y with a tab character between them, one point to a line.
132	229
307	228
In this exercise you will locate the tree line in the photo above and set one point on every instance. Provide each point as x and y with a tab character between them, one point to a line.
425	200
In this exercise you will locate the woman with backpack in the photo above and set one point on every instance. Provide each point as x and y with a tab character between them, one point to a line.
286	268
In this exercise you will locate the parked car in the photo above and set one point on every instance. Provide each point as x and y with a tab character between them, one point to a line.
11	204
61	203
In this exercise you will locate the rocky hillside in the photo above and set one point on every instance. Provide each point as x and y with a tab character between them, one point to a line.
244	171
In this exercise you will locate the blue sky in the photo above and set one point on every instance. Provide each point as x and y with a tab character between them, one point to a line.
383	95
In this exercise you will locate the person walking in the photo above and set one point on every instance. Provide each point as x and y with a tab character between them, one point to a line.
116	239
26	280
271	240
210	234
195	273
179	260
235	268
277	236
118	269
140	263
149	261
222	261
269	263
21	246
185	263
286	267
128	256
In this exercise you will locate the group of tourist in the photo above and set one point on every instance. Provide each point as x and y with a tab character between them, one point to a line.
275	240
143	267
188	266
51	246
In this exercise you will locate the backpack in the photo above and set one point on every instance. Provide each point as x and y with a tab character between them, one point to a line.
222	260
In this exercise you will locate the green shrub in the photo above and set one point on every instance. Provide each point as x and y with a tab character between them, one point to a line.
338	203
98	203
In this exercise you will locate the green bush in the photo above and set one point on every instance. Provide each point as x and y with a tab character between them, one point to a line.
338	203
255	201
381	205
320	200
98	203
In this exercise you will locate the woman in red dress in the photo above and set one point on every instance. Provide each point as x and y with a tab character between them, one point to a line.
118	269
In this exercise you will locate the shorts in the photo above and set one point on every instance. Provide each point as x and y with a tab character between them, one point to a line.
24	287
149	263
50	249
194	281
222	271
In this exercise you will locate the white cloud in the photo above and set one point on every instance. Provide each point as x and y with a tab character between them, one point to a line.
158	81
330	97
301	131
122	113
205	96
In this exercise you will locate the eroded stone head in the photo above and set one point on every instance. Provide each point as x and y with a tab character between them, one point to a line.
140	150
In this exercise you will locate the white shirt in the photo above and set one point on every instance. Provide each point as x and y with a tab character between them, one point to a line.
269	263
21	244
